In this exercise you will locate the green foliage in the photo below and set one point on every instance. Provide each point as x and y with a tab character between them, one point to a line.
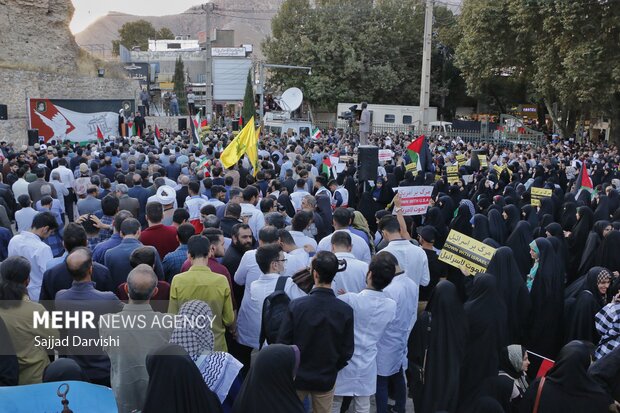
357	51
179	85
138	33
249	108
563	51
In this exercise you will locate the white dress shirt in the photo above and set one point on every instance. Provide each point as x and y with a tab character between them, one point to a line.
66	176
411	259
353	279
392	347
257	219
251	310
30	246
302	239
20	187
24	218
373	312
360	250
296	197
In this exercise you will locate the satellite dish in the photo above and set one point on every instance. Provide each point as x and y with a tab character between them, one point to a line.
291	99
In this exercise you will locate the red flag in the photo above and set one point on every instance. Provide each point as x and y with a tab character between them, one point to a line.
204	123
99	133
545	366
416	146
157	132
586	182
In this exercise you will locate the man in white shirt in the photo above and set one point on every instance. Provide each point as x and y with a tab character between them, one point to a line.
392	346
411	258
30	245
373	312
353	278
341	220
298	194
300	222
271	261
297	258
67	179
20	187
24	216
248	209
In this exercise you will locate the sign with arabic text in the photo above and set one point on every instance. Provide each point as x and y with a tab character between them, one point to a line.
466	253
414	199
538	194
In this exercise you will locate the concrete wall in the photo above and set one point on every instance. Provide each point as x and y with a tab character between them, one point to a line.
19	85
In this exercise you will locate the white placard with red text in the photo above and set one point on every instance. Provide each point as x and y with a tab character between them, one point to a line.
385	155
414	199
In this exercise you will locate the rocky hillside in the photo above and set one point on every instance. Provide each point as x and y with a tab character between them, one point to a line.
250	19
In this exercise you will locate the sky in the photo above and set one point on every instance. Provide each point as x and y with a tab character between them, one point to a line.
87	11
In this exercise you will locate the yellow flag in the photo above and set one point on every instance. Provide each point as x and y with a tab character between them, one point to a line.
239	146
253	151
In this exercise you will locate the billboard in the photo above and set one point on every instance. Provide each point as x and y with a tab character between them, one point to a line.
76	120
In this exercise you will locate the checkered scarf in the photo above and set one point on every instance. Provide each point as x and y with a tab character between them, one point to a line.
607	322
194	340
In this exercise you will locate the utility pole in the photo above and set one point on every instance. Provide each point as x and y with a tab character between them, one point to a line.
425	84
208	7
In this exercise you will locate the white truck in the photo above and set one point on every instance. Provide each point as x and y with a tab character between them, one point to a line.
385	116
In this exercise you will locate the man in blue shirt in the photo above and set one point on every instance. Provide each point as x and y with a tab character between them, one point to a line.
173	261
101	248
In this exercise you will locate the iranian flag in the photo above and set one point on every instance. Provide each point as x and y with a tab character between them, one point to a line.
157	136
203	163
327	164
196	124
414	150
583	182
99	134
316	134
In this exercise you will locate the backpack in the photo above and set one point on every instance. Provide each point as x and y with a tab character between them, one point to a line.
275	307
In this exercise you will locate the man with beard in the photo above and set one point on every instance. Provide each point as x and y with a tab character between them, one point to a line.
241	242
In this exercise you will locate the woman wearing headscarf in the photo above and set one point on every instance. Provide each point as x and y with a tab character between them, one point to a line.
461	221
512	217
581	308
530	215
546	207
176	385
576	240
285	200
593	243
368	207
519	242
554	230
447	208
567	386
609	256
546	287
360	223
497	226
486	318
480	227
601	213
218	369
513	366
436	351
512	289
435	219
568	217
269	385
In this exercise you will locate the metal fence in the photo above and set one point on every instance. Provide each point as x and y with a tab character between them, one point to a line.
468	136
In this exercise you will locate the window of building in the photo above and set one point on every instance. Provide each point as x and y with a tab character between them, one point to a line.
407	119
389	119
174	45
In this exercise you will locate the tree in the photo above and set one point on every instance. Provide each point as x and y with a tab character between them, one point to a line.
249	108
179	85
358	50
138	33
563	52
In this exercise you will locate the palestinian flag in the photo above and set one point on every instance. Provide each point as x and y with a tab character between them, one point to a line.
196	125
134	129
99	134
583	182
415	150
157	136
203	163
327	165
316	134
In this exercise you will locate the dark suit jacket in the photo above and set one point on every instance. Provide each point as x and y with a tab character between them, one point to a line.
58	278
182	193
117	261
125	202
34	190
142	195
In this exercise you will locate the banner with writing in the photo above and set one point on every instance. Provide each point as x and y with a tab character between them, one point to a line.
414	199
538	194
413	167
460	159
483	161
466	253
453	174
385	155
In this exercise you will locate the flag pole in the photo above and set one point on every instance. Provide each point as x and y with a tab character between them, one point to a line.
538	355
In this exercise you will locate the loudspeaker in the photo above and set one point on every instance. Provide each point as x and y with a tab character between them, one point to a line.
33	136
367	162
4	114
182	124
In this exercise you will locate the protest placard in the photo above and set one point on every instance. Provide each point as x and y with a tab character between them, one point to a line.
460	159
538	194
414	199
483	161
385	155
466	253
453	174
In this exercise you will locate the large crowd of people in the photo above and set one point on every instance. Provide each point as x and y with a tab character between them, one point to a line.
323	295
